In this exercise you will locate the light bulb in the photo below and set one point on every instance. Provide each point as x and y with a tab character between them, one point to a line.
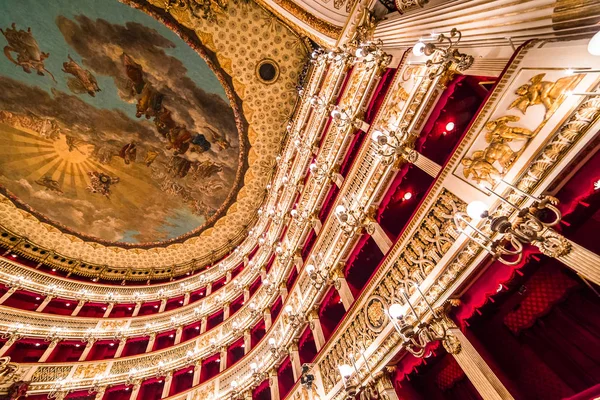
594	45
253	366
476	208
407	196
345	370
271	342
288	309
395	311
340	209
419	49
450	126
310	268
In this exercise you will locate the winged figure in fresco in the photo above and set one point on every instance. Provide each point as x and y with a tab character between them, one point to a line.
27	50
49	184
84	81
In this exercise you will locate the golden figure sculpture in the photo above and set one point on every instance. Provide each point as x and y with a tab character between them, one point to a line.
538	91
480	166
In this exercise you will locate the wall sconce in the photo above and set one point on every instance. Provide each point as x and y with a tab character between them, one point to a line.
352	220
446	53
276	351
343	117
528	228
320	171
415	339
352	386
391	146
294	319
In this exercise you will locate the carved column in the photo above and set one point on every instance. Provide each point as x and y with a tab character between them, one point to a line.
135	391
223	358
385	386
163	305
580	260
381	238
317	225
247	341
178	335
226	311
108	310
228	277
209	288
8	344
167	386
49	350
474	366
283	292
121	347
186	298
317	330
420	161
295	360
274	384
80	304
88	348
203	324
246	294
44	303
136	310
197	372
341	285
6	295
100	393
298	262
267	318
150	344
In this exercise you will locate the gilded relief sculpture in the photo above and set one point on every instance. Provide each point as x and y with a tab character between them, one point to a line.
537	91
480	166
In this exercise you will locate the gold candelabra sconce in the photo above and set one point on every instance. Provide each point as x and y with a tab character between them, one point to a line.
391	146
444	52
416	338
532	226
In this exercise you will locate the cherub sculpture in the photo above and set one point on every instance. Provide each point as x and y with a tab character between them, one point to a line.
480	166
27	49
538	91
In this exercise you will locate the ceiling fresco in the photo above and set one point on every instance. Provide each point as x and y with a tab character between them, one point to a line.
107	116
147	137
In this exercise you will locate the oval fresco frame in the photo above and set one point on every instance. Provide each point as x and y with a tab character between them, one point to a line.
192	40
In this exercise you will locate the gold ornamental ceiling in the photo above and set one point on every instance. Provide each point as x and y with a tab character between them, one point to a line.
140	134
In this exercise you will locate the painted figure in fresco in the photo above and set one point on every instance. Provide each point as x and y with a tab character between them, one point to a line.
135	73
49	184
538	91
205	169
219	140
101	183
84	81
179	167
150	157
128	153
478	169
150	103
27	49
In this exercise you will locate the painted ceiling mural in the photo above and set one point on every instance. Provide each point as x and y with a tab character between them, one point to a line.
136	134
110	124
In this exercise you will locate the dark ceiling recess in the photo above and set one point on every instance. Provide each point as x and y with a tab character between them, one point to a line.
267	71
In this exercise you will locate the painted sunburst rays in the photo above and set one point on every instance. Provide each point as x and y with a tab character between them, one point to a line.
62	165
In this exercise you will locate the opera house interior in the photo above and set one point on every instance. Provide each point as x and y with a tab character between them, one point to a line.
387	200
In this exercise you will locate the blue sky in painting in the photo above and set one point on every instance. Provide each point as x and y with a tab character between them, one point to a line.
41	15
